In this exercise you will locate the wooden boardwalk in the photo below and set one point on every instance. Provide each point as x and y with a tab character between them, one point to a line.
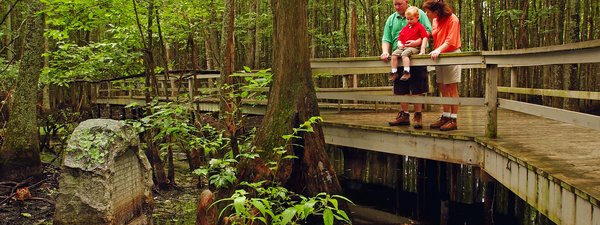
552	165
547	156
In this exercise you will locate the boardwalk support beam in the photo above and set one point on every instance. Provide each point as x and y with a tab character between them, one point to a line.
491	100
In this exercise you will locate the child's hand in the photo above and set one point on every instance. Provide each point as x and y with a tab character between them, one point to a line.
422	52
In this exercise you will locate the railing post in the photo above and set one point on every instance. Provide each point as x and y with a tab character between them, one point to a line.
345	81
192	86
172	90
132	89
513	81
96	90
109	89
491	100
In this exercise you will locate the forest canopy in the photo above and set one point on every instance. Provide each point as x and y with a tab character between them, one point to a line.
102	39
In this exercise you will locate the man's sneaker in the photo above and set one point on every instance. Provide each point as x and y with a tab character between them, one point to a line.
392	76
403	119
405	75
450	125
440	122
418	120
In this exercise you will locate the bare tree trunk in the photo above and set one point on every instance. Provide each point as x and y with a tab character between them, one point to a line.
20	153
251	46
230	111
258	43
292	100
211	44
571	71
353	48
160	179
373	46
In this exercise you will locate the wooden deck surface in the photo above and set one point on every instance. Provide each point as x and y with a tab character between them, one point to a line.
567	152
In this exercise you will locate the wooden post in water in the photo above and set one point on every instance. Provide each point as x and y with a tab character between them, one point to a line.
491	100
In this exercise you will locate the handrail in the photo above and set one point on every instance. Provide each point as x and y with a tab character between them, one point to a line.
491	61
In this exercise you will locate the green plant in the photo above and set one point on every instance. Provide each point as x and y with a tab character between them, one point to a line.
276	205
254	84
273	204
220	172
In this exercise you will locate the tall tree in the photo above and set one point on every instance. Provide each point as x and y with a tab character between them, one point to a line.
251	46
292	100
571	78
20	154
151	91
229	110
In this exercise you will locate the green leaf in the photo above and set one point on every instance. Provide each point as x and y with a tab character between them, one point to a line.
308	207
238	204
26	215
343	198
334	202
290	157
259	205
343	215
287	215
328	217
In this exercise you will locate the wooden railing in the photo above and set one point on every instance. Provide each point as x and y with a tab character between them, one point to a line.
577	53
492	61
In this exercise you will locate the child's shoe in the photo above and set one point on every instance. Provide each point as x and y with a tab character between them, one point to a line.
392	76
405	75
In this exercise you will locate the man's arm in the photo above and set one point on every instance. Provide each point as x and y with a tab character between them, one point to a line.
385	49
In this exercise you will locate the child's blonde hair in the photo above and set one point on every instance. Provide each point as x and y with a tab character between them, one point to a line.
412	11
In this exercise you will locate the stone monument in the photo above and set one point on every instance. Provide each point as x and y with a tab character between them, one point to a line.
106	178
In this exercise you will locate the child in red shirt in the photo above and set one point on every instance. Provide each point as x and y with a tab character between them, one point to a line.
411	36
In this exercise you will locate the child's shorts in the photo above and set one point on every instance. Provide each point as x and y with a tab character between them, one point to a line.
406	51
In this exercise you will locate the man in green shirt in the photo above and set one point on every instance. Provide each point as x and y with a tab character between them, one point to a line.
418	83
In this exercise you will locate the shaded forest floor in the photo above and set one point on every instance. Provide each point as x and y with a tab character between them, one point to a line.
176	206
37	207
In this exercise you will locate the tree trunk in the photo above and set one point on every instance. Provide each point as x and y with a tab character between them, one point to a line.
292	101
258	41
20	154
9	32
480	27
230	110
373	46
352	47
211	43
571	71
251	46
171	171
152	152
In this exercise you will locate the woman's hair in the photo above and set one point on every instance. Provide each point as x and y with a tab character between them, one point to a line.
440	7
412	11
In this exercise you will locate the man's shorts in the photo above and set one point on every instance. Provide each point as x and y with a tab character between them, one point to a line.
417	84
